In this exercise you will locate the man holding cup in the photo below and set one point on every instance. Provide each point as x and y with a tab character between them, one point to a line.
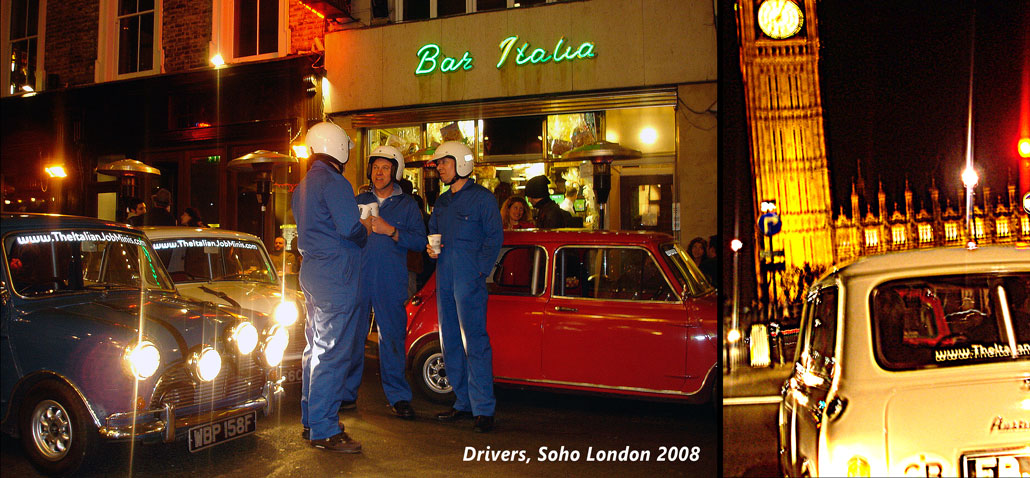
468	222
397	227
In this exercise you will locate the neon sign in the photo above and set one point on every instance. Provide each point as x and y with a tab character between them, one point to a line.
430	56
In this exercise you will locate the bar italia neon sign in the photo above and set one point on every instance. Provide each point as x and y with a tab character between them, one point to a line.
429	56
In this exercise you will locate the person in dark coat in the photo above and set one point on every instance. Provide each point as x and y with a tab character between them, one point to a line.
548	214
161	213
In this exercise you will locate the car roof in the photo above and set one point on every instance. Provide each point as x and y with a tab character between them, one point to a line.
10	222
580	236
934	259
176	232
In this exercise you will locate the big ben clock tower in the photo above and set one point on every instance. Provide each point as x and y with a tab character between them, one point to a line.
779	58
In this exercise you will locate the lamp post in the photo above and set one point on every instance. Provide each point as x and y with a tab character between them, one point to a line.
264	163
430	176
733	335
127	171
969	180
601	154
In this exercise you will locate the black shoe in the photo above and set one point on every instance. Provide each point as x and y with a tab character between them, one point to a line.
403	410
306	432
483	424
453	415
348	405
339	443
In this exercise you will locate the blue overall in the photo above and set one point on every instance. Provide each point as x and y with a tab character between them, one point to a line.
384	272
470	223
330	239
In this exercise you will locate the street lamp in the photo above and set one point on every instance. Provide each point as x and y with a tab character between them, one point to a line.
601	154
969	180
733	336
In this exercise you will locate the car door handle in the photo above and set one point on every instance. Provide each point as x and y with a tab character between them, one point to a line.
565	309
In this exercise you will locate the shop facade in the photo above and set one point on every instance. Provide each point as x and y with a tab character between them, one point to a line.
524	86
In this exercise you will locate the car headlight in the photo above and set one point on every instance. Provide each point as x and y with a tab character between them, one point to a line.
245	335
206	363
275	345
286	313
143	359
858	466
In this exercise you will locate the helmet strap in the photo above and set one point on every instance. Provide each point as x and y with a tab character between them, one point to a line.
330	161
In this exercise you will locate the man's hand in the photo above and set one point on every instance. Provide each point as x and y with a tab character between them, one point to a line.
368	225
380	226
431	252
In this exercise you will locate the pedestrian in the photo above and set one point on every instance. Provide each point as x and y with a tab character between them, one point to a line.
396	230
710	262
548	214
696	249
281	258
330	238
190	217
161	213
467	218
135	208
514	213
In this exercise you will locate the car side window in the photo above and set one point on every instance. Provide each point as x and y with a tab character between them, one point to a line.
519	271
822	332
610	273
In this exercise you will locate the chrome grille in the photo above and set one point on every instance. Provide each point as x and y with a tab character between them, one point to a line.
297	340
238	382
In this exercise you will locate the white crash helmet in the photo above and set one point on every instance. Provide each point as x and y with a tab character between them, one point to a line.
330	139
391	153
464	160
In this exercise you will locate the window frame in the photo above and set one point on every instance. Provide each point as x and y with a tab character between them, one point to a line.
7	48
654	260
507	248
106	67
470	7
223	32
812	311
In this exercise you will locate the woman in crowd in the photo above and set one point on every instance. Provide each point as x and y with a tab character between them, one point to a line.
696	250
514	213
191	218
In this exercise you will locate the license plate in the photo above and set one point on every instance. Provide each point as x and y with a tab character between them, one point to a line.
1015	463
293	374
221	431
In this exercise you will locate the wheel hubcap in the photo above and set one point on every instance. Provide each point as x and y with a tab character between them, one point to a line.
51	430
434	374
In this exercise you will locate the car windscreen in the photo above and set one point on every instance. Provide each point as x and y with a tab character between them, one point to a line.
202	259
953	320
684	269
67	261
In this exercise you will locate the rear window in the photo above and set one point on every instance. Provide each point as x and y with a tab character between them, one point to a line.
949	321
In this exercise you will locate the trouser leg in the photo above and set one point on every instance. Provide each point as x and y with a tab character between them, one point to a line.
471	308
391	320
453	349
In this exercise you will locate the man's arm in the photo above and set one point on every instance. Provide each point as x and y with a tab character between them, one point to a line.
343	210
493	234
411	233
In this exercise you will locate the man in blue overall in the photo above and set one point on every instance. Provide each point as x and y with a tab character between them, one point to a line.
469	221
330	238
397	229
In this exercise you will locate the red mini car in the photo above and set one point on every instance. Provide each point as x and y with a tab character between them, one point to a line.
616	312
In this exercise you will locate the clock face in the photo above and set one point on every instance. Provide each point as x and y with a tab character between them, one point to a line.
780	18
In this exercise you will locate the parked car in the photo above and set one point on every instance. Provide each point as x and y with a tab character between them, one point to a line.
625	313
233	269
913	363
96	345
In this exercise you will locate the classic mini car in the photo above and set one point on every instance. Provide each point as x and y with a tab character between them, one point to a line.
913	364
234	269
616	312
96	345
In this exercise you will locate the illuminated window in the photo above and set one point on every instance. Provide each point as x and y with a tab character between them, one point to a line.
22	46
130	39
249	29
1001	226
925	233
898	234
872	238
951	231
978	228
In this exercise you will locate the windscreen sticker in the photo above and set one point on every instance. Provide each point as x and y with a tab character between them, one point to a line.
203	243
977	351
670	252
72	236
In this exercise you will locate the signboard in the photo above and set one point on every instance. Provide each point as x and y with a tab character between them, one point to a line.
769	223
431	57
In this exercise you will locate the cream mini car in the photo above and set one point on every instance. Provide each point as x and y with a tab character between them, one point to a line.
232	268
913	364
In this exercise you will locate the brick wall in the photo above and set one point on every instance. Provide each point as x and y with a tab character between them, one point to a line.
71	41
186	32
305	26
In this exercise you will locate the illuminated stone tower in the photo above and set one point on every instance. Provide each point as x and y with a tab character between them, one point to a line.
779	58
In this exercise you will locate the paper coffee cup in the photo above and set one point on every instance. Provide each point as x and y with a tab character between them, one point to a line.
364	210
373	209
434	241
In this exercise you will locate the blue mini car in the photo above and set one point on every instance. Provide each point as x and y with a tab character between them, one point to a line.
95	345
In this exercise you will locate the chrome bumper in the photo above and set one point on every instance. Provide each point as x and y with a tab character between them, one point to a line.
165	424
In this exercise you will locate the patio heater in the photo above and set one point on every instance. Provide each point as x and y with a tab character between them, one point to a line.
601	154
430	176
127	171
264	163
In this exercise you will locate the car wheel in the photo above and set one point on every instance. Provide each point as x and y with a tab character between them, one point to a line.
428	372
56	431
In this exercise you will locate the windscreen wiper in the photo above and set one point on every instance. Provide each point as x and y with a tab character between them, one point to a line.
220	295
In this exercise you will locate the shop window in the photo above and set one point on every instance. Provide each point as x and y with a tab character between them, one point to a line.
23	46
130	38
519	136
609	273
464	131
250	29
650	130
407	139
567	132
204	187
